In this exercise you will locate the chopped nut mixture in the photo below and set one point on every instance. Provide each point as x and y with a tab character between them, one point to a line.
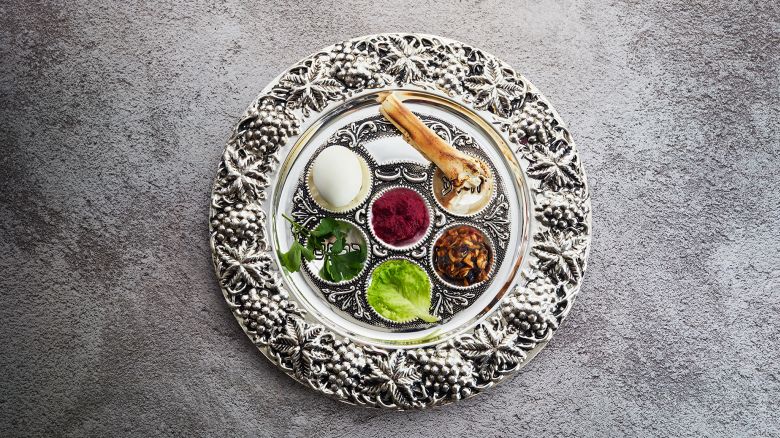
462	256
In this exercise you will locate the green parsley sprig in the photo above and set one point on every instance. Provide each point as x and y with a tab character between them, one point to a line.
340	261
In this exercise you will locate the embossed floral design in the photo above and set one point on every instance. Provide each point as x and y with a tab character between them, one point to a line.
540	292
446	301
556	167
264	310
348	299
357	67
450	68
532	123
560	255
529	322
494	350
391	379
245	176
493	91
310	88
407	60
301	345
246	265
265	129
345	367
562	215
496	221
445	373
551	294
304	212
239	222
530	313
353	135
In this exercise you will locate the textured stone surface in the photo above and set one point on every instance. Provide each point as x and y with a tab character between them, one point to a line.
112	121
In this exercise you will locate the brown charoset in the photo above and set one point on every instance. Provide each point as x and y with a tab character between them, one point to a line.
462	256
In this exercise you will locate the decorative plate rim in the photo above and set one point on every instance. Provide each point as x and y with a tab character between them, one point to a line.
401	378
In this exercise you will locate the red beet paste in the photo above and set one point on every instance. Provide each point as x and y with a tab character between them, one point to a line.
399	217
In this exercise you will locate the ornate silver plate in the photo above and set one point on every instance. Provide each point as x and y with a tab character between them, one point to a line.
538	222
493	220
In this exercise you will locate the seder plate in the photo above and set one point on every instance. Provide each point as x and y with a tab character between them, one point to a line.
372	133
537	223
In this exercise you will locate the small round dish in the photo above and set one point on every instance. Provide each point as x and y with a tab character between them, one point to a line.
419	237
449	283
369	279
442	187
365	189
356	236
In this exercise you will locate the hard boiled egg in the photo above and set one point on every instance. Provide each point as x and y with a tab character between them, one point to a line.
337	175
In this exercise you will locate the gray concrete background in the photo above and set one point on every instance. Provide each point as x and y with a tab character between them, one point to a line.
112	120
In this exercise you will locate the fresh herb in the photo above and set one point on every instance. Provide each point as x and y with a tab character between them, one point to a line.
339	261
400	291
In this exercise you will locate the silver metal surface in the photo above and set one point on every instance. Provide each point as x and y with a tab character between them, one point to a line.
545	195
447	299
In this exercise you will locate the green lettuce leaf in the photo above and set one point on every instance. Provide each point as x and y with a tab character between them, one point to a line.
400	291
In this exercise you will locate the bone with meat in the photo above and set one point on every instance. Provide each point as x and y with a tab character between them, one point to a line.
466	173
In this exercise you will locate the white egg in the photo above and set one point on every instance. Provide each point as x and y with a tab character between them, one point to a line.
337	175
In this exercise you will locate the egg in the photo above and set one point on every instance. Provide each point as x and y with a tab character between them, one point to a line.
337	175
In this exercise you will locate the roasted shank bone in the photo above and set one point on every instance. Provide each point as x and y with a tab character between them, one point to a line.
465	172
